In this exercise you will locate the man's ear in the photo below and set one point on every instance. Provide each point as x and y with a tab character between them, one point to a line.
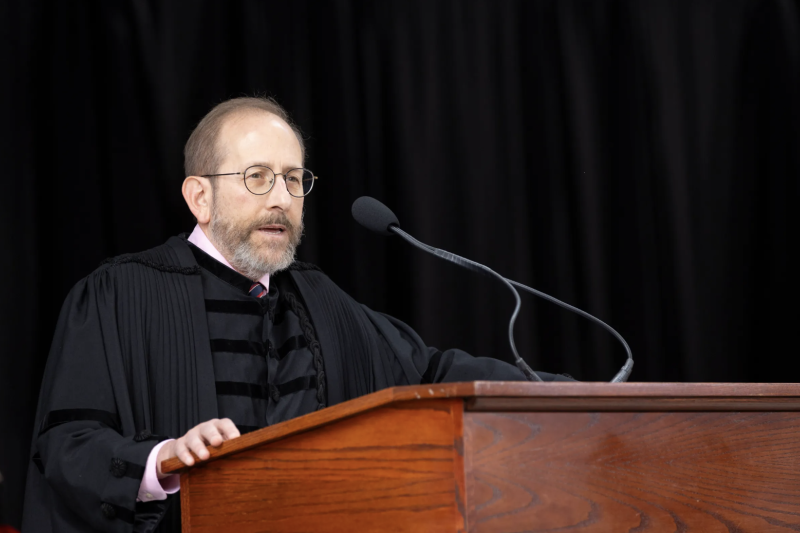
198	195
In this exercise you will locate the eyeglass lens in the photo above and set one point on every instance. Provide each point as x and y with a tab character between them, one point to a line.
259	180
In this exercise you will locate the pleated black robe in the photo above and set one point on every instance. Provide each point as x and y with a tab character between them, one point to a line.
131	365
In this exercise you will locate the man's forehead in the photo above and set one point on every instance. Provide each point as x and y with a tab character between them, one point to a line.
246	130
244	120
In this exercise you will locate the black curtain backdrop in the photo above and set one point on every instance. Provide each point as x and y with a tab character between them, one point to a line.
639	159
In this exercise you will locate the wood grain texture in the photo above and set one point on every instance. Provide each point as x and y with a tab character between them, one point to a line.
558	396
394	468
186	505
633	472
617	403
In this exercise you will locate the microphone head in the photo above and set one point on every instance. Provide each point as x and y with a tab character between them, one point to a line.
373	215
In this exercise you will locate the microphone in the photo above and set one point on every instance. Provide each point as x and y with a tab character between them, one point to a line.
376	217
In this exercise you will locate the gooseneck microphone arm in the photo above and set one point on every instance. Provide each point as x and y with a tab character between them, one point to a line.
621	376
376	217
479	268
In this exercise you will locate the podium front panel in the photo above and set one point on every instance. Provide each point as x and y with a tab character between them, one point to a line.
396	468
632	471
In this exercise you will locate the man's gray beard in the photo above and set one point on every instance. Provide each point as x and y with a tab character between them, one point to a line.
245	258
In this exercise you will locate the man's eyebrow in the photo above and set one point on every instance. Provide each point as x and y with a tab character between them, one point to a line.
268	165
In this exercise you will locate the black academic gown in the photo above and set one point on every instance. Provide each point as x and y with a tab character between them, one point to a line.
130	365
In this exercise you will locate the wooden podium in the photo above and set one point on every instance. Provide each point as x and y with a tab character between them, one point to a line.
489	456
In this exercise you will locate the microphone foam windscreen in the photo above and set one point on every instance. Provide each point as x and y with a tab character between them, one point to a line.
373	215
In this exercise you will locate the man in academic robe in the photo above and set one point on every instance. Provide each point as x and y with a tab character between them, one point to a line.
165	352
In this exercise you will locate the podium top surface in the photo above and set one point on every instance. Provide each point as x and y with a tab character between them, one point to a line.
549	397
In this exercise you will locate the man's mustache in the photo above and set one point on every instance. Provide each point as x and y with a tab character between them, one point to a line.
278	219
294	231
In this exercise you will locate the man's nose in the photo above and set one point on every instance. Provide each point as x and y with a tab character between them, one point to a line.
279	196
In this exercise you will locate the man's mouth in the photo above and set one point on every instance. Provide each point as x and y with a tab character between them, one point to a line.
273	229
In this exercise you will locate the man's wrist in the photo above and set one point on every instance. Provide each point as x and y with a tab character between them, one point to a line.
155	486
162	454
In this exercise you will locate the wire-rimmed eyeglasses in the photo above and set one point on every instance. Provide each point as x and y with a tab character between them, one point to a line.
260	179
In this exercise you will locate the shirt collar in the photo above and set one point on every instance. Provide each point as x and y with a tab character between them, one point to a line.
199	239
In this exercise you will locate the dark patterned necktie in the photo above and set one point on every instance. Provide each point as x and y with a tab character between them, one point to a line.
258	290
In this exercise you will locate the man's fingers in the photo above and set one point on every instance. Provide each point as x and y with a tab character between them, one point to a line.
227	429
182	453
211	434
195	443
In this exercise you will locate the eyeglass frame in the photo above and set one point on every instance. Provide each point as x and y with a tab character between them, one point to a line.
276	174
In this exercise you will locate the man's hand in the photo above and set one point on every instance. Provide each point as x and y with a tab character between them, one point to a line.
213	433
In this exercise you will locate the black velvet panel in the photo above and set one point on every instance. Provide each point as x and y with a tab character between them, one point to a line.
263	368
252	390
134	471
298	342
234	307
237	388
62	416
297	385
278	318
237	346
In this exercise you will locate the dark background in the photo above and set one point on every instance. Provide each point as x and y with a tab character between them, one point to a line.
639	159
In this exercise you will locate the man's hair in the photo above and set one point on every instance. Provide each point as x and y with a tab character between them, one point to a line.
202	155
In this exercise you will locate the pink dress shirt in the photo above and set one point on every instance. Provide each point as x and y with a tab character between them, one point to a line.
151	487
